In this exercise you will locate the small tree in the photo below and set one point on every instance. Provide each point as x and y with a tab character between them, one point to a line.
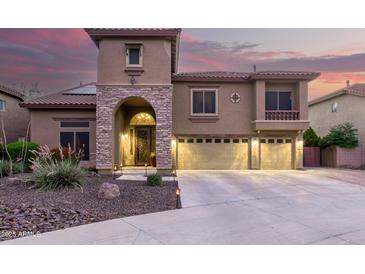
343	135
311	139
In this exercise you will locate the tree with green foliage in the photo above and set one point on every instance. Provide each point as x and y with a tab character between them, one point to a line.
343	135
311	139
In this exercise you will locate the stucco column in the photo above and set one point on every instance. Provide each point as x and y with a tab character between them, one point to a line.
303	100
259	91
255	153
298	150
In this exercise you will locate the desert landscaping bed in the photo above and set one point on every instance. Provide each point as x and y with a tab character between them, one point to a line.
26	211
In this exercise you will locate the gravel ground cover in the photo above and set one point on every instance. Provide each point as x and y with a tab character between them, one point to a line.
26	211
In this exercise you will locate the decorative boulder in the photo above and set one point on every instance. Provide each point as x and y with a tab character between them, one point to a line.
14	180
108	191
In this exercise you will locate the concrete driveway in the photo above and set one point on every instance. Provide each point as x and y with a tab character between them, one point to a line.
317	206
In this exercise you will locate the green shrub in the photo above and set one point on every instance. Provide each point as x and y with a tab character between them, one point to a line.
49	173
343	135
16	149
5	168
311	139
154	180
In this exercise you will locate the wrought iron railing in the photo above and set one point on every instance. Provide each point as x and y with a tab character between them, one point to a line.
281	115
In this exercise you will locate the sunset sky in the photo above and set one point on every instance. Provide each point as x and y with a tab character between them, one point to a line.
62	58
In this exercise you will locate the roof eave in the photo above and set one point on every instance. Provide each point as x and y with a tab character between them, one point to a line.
57	106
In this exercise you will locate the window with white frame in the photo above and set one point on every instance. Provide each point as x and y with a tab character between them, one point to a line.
204	102
134	54
334	107
2	105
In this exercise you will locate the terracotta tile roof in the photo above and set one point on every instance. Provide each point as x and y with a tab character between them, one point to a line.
211	75
355	89
96	34
77	97
243	76
282	74
12	92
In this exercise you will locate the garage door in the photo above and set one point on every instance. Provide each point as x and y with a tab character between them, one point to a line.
207	153
276	153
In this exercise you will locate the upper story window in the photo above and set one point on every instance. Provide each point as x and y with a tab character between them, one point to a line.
334	107
204	101
134	54
278	100
2	105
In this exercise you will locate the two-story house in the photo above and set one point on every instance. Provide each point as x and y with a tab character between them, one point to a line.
142	110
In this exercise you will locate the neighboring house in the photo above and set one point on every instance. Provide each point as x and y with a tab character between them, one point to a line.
142	107
16	119
341	106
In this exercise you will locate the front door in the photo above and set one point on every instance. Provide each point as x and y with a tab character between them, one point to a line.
143	145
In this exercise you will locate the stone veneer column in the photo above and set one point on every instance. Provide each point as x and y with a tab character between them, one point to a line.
108	100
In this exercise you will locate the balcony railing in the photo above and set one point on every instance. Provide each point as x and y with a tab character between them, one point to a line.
281	115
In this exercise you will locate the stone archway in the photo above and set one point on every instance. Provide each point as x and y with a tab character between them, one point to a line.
109	99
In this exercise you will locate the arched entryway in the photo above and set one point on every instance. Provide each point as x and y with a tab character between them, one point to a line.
135	133
109	100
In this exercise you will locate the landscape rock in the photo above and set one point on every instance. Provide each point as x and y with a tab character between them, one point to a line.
14	180
108	191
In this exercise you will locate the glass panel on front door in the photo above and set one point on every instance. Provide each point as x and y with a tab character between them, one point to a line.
143	147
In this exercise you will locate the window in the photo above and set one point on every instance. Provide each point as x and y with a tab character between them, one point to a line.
235	141
208	140
227	141
217	141
334	107
199	140
2	105
244	140
78	141
278	100
204	102
134	55
263	141
279	141
190	140
74	124
288	141
181	140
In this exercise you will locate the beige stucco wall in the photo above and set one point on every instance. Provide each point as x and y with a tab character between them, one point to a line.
45	125
243	118
156	61
350	108
15	118
234	119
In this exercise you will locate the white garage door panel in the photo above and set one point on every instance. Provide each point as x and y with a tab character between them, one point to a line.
276	156
205	156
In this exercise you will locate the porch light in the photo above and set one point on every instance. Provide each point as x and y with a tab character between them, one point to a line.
173	174
145	166
125	136
115	169
178	199
173	142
